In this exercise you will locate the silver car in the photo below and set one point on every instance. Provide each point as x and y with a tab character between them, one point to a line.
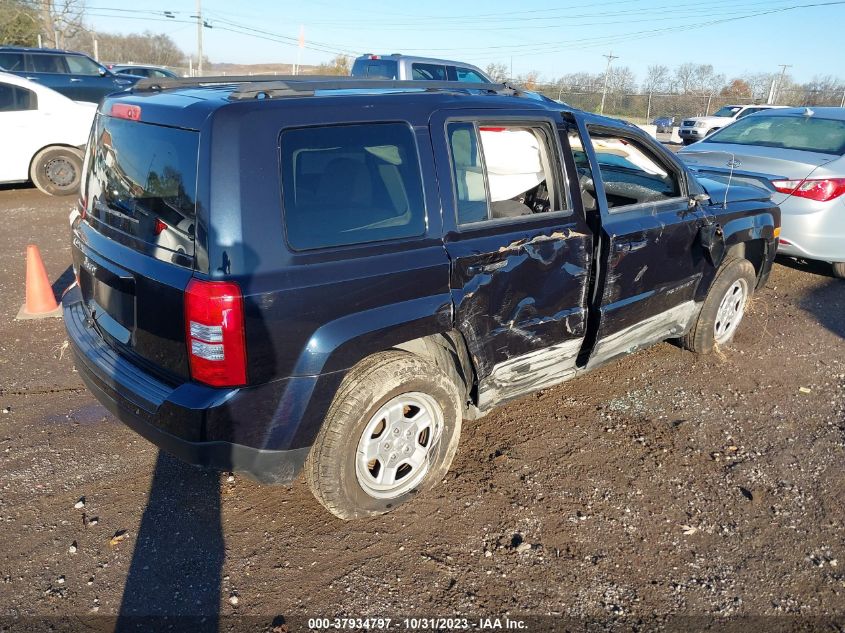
407	67
799	155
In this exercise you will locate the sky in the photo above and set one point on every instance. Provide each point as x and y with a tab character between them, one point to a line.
553	37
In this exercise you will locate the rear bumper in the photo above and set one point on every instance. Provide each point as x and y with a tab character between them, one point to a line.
813	230
188	420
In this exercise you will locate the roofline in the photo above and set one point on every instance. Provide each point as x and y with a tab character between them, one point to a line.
273	86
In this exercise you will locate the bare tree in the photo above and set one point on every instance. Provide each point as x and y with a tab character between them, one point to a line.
497	72
622	80
61	20
657	79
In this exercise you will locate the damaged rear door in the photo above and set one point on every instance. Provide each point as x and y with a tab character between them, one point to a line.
650	262
519	246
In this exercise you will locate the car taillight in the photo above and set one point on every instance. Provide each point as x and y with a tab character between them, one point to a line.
214	323
819	190
126	111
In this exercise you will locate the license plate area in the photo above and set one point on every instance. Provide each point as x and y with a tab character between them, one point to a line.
109	295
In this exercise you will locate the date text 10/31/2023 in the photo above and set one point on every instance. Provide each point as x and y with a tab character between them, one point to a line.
417	623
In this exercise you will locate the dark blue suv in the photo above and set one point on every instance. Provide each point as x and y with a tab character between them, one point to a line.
75	75
335	274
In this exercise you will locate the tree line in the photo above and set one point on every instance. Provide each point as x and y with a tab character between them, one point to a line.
61	24
688	79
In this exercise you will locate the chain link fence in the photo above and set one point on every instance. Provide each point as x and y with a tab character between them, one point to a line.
643	108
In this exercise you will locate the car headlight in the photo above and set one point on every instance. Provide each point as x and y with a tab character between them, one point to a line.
700	124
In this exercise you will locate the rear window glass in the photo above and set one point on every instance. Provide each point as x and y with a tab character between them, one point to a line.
11	61
14	98
375	69
351	184
807	133
141	182
429	72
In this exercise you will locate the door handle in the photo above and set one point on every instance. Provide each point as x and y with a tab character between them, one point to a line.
75	79
33	78
478	269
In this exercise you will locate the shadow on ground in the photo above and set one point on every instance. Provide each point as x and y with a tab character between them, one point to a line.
826	302
174	579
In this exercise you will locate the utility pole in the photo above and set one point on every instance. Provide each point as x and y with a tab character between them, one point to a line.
783	68
199	38
610	57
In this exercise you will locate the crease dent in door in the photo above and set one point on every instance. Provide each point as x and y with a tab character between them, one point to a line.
522	320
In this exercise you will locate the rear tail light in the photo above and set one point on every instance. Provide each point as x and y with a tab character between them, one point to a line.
214	324
819	190
126	111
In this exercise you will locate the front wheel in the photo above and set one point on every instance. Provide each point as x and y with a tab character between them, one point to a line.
723	308
391	432
57	171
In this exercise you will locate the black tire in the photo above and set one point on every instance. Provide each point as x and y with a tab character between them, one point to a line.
57	170
839	269
331	470
687	141
701	337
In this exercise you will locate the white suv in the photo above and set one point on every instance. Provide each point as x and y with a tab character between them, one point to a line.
696	128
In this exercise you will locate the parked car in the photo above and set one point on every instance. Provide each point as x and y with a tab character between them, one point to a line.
664	123
799	153
407	67
362	269
44	135
697	127
137	70
74	75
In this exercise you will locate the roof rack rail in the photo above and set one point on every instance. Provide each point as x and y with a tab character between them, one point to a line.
274	86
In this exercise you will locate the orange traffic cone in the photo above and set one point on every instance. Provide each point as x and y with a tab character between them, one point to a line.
40	302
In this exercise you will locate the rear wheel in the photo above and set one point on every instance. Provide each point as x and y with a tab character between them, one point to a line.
390	433
57	170
839	269
723	308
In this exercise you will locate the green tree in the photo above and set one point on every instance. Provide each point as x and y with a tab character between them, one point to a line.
19	23
338	66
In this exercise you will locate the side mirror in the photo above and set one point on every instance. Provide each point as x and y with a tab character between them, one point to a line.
103	72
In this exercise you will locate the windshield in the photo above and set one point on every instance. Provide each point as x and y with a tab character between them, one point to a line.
798	132
728	111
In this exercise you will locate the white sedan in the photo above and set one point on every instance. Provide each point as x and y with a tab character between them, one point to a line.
44	135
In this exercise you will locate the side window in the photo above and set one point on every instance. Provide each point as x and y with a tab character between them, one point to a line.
631	172
465	74
351	184
746	112
79	65
585	173
503	171
431	72
11	61
42	63
16	99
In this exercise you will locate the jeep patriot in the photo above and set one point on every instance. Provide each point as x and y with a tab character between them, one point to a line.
332	275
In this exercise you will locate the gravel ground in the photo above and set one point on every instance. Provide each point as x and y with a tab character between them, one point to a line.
662	487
